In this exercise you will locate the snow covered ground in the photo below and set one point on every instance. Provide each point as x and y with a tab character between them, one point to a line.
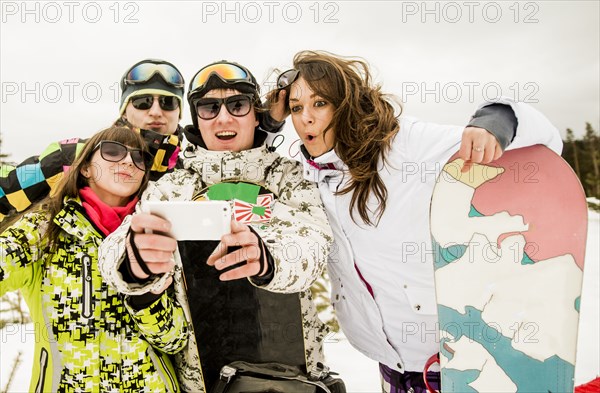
359	372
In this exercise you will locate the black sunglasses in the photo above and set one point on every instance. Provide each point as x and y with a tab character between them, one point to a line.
167	103
310	72
114	152
238	105
286	78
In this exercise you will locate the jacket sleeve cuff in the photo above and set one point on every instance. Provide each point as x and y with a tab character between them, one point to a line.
140	302
499	120
265	258
127	274
267	123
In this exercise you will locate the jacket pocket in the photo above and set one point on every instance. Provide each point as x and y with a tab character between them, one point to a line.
86	284
43	366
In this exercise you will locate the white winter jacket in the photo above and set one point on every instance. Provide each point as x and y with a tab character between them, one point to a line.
397	326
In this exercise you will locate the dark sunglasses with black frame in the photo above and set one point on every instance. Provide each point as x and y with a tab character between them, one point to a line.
238	105
286	78
316	72
145	102
114	152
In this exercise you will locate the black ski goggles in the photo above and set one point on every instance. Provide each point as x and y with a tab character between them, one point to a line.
143	72
145	102
228	72
114	152
238	105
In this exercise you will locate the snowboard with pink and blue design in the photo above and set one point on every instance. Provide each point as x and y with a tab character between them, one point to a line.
509	240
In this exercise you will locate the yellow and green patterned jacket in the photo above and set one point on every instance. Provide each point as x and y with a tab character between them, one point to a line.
89	338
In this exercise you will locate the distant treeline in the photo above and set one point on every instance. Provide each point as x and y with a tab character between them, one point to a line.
583	155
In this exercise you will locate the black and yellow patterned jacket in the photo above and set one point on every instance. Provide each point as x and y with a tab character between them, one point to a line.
88	338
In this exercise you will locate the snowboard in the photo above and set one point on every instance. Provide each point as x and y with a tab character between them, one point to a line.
509	244
235	320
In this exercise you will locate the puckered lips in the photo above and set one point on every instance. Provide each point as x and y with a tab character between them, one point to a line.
311	136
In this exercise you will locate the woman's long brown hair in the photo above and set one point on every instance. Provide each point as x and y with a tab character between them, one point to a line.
364	123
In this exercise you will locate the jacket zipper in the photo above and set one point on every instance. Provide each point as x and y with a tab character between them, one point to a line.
167	371
43	365
87	287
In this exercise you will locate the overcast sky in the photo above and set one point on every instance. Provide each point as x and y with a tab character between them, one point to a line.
60	61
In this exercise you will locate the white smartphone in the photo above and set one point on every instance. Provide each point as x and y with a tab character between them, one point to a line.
193	220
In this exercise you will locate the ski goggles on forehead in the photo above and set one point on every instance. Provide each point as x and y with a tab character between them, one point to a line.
145	102
143	72
238	105
227	72
114	152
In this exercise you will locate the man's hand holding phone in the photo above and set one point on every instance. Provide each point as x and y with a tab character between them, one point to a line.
155	247
155	233
248	253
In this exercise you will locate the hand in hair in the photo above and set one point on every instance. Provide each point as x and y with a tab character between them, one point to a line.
478	146
276	102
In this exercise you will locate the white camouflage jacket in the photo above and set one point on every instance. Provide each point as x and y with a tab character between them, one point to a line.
297	220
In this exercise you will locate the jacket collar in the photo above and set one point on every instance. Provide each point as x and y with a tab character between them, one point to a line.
163	148
72	220
317	169
216	166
